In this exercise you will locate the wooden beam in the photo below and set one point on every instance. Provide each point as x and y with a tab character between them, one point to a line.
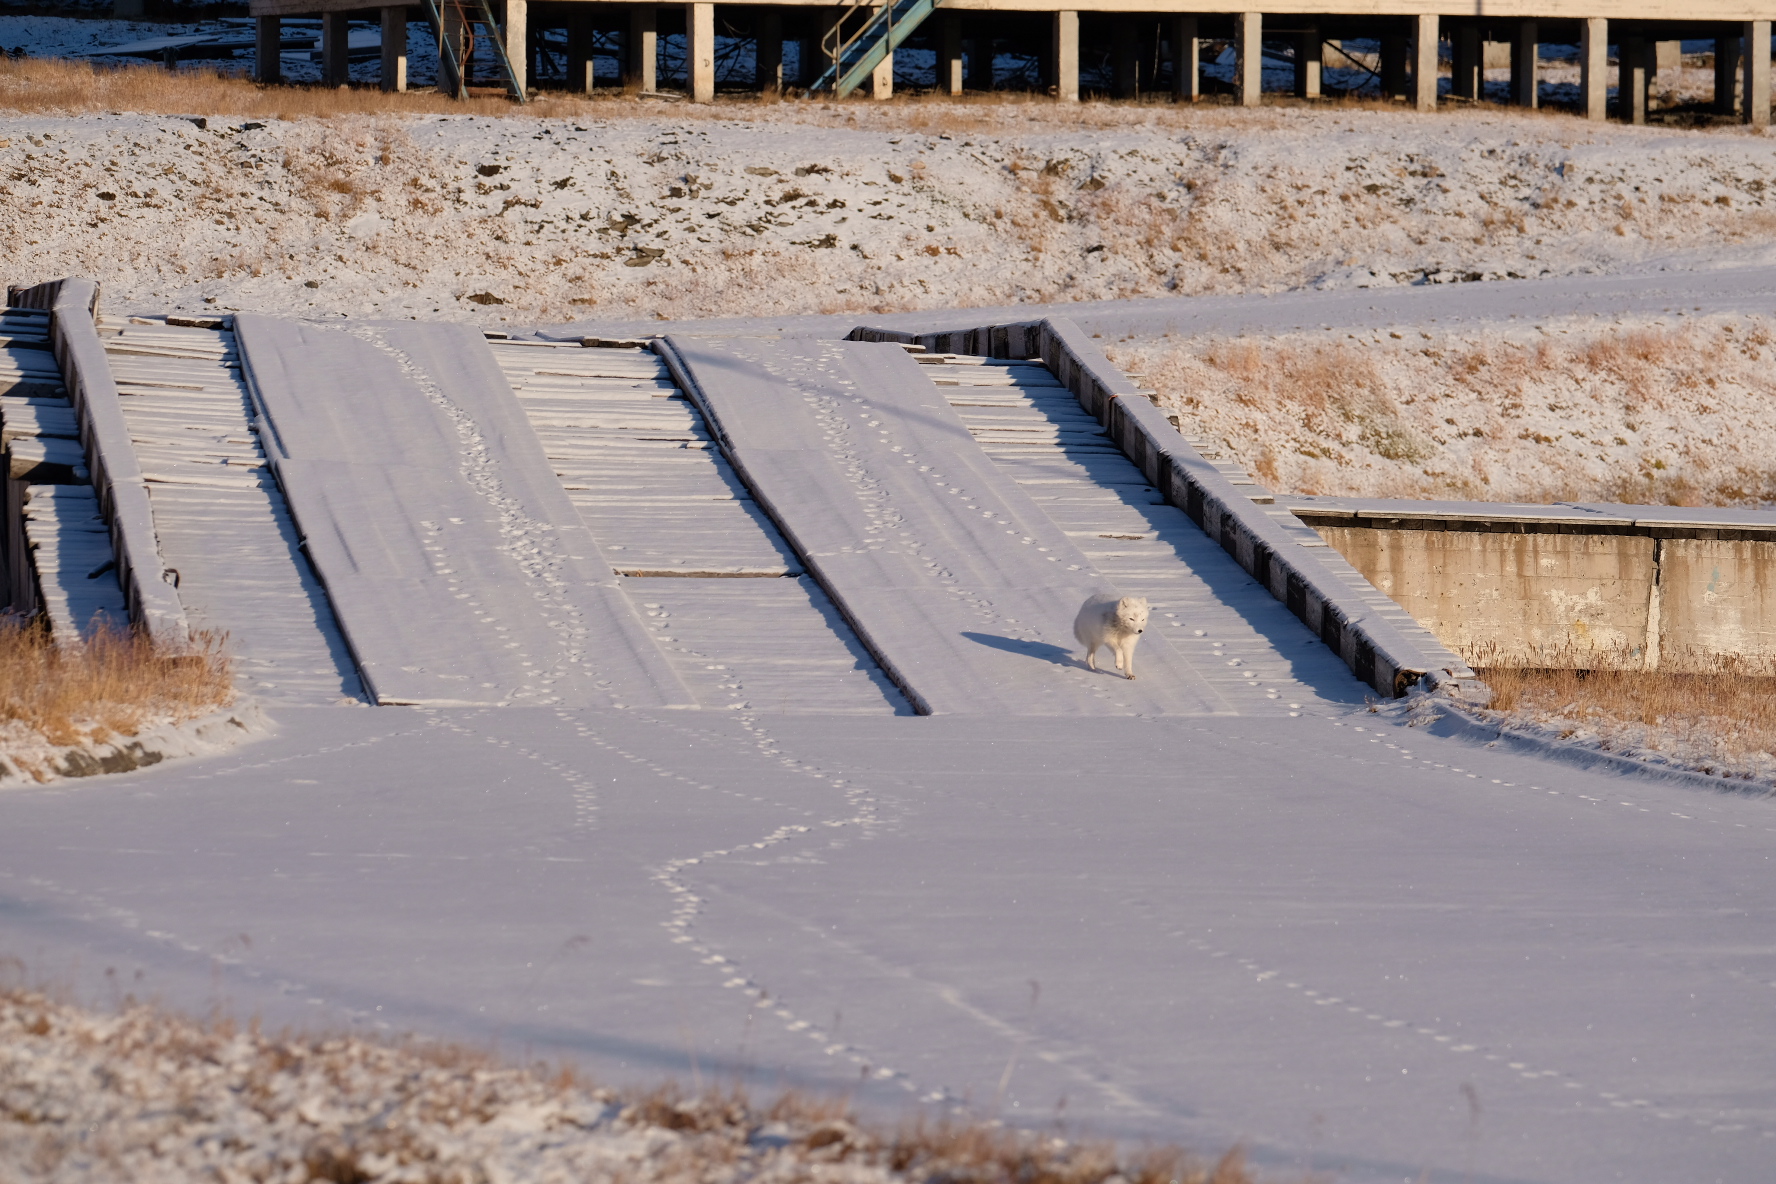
1186	59
394	49
1594	68
1632	52
335	48
1526	65
949	52
1467	70
641	49
1757	73
767	68
268	61
1308	63
1424	62
517	35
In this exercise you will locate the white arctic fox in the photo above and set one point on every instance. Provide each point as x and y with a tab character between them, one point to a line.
1105	620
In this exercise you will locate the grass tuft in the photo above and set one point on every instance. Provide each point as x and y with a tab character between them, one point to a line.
112	684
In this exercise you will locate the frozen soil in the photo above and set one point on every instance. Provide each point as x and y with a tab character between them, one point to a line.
746	208
147	1096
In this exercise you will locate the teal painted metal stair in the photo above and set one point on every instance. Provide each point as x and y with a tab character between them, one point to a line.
852	59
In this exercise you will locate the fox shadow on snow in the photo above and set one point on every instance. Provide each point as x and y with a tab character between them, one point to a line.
1045	651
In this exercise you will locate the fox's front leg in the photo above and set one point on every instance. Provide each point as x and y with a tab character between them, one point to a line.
1091	657
1125	659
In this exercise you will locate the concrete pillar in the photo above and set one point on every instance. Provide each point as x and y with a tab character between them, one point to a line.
949	51
1394	48
1593	67
1669	55
394	49
1424	62
1525	66
1632	56
1308	63
1467	76
767	69
980	62
335	64
641	49
700	52
1248	48
268	62
1066	56
1186	58
1757	73
1726	75
1125	56
517	37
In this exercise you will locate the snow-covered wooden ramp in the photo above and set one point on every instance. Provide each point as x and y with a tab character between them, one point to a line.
963	587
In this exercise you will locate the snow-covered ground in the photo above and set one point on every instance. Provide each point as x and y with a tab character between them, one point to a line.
1356	947
634	209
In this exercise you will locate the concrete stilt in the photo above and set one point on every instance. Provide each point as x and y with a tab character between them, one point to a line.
1757	73
641	49
394	49
1308	63
517	34
1525	66
335	64
1248	46
700	52
1593	67
1631	77
1726	75
1467	75
1393	65
1424	62
1186	58
1066	56
949	52
767	68
268	62
1125	56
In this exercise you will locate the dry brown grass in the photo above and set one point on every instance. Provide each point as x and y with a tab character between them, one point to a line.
1722	722
111	685
178	1098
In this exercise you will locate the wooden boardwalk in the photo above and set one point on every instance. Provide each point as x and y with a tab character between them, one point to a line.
722	594
220	518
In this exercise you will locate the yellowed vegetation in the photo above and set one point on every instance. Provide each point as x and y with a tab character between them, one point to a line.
111	685
1723	723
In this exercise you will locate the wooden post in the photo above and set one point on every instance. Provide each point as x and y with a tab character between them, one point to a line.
767	69
1525	66
641	49
1394	48
582	68
1757	73
394	49
450	35
1631	77
518	42
1308	63
1726	75
268	40
1186	59
700	52
980	62
1593	67
335	62
882	78
1424	62
1125	56
949	53
1467	77
1248	48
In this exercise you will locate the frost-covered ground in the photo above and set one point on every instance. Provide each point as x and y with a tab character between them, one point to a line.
144	1095
632	209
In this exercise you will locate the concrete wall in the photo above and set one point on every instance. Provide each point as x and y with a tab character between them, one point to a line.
1578	600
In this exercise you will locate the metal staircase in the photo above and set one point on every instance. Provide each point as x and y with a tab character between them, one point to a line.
454	52
852	58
